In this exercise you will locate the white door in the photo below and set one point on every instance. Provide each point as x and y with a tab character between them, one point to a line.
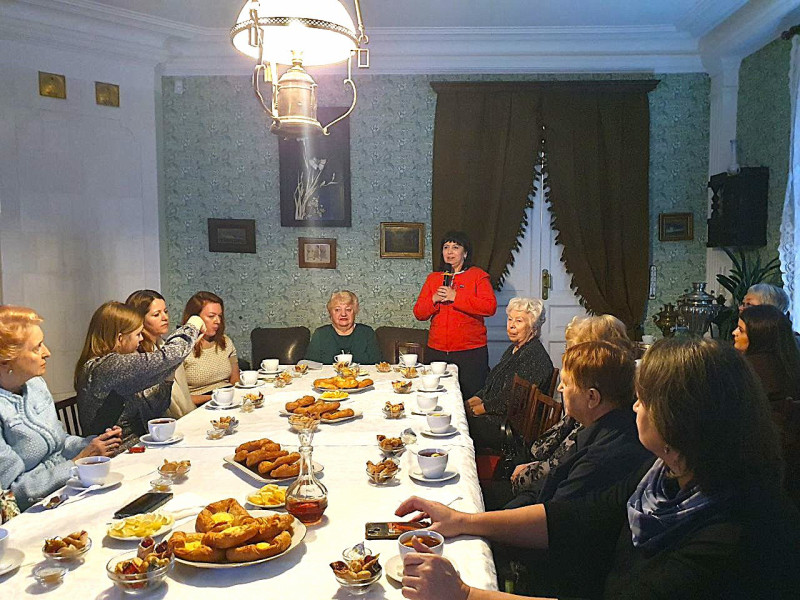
538	251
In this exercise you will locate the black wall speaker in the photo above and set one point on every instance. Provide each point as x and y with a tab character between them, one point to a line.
739	208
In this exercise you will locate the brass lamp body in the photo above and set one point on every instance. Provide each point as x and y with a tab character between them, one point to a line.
296	104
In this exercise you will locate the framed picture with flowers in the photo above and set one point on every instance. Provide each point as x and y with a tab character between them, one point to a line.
315	176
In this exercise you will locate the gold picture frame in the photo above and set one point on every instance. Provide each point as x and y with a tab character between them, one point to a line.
402	240
675	227
106	94
52	85
316	253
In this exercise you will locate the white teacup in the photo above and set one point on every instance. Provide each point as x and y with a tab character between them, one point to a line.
438	368
223	396
648	340
270	364
439	422
436	543
248	377
427	402
161	429
91	470
430	382
432	462
3	541
343	358
409	360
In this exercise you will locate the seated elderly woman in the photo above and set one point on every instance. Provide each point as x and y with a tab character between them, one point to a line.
344	335
526	357
765	293
35	453
597	388
119	386
557	442
706	519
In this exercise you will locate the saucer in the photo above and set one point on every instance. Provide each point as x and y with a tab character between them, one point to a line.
438	390
424	413
114	478
241	386
265	372
399	366
394	568
148	439
212	405
13	558
441	375
416	474
446	433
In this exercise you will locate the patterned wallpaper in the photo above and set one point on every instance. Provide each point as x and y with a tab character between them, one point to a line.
763	125
220	161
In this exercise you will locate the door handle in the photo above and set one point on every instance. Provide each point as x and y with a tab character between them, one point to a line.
547	283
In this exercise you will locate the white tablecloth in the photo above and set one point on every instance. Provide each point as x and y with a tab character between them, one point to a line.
303	573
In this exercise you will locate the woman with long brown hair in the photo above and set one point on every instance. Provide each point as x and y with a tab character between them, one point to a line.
117	385
214	362
153	309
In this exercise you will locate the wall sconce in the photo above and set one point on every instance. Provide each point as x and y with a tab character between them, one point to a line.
300	33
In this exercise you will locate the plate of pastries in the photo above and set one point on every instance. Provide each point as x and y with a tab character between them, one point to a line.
329	411
266	461
225	535
346	383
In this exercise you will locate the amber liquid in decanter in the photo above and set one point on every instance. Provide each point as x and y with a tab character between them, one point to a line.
306	498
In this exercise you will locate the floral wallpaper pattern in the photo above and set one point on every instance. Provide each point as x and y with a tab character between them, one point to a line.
763	126
220	161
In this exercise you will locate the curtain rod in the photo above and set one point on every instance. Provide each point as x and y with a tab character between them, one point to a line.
790	33
608	85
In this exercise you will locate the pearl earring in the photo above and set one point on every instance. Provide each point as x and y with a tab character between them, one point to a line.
10	371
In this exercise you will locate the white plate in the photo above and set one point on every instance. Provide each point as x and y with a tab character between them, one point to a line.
212	405
164	529
239	385
438	390
443	375
11	560
399	366
318	468
114	478
148	439
447	433
348	390
424	413
357	415
265	372
416	474
298	533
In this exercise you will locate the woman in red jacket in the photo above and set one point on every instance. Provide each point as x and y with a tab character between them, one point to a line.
456	301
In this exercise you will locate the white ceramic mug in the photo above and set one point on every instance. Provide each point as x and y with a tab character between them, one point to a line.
648	340
270	364
161	429
409	360
248	377
223	396
430	382
3	542
438	368
343	358
439	422
405	538
432	462
91	470
427	402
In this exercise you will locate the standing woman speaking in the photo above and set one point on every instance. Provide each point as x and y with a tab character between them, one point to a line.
456	300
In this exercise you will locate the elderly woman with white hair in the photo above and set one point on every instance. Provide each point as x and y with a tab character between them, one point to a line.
526	357
765	293
344	335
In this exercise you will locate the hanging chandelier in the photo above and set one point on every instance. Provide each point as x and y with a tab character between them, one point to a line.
298	33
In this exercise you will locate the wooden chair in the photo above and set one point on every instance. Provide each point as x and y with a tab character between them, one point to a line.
394	341
287	344
401	348
551	391
67	411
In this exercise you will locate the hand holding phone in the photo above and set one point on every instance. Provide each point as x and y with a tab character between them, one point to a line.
392	529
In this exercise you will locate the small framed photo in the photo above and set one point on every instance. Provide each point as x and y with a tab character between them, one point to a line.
316	253
675	227
106	94
402	240
232	235
52	85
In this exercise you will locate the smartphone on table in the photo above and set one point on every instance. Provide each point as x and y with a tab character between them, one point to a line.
143	504
391	530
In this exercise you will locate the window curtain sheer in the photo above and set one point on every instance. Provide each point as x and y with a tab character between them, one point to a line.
484	152
788	249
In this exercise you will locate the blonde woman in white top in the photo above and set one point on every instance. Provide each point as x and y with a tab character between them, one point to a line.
153	308
213	363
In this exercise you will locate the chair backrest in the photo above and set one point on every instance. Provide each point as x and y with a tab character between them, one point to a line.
287	344
406	340
542	413
551	391
67	411
518	404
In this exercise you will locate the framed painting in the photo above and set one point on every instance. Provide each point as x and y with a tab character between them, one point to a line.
232	235
316	253
402	240
315	176
675	227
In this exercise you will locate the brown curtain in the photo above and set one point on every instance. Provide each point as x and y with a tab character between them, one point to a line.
484	152
598	147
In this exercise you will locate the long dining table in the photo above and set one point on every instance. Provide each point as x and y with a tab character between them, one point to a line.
302	572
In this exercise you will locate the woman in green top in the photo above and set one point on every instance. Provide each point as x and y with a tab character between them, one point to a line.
344	335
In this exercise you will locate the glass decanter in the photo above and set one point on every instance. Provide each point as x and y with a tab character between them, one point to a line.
306	498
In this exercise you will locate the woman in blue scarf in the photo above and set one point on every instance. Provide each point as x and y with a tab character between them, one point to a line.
706	519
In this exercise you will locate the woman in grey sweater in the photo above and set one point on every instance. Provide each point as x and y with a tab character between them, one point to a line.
119	386
36	454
